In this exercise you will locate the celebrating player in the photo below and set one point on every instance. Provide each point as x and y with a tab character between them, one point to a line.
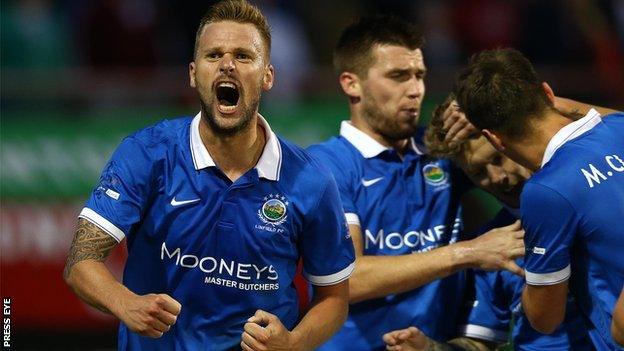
572	206
497	294
216	210
402	206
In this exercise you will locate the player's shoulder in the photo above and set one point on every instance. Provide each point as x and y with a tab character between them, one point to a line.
335	149
337	154
164	131
301	166
541	185
616	118
154	140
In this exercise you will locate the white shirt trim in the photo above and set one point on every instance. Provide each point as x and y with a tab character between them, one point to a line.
366	145
201	157
352	218
268	165
102	223
481	332
547	278
569	132
331	279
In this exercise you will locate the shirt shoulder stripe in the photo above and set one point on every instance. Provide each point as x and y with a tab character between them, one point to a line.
331	279
102	223
547	278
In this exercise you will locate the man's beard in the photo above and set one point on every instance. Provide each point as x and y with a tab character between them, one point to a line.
247	113
387	126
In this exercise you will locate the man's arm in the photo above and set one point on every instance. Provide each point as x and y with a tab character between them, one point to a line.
574	108
412	339
265	331
458	128
545	305
85	272
378	276
617	325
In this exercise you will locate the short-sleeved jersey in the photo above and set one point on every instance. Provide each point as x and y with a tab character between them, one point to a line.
403	205
222	249
497	300
572	211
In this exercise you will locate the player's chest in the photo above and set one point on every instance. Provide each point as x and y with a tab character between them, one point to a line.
244	216
389	191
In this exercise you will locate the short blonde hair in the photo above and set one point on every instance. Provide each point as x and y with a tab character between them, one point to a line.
239	11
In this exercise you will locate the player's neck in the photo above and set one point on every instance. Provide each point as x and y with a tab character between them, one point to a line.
235	154
532	147
398	145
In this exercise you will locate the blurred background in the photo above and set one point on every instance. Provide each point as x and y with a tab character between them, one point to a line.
76	76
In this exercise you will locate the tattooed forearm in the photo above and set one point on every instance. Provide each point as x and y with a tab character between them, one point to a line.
459	344
90	243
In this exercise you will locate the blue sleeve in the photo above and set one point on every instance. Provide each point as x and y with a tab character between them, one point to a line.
550	223
343	180
118	201
488	315
325	242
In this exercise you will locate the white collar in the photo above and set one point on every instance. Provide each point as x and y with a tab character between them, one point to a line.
366	145
569	132
268	165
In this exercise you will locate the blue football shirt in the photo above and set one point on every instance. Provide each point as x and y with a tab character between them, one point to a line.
403	204
572	210
497	299
222	249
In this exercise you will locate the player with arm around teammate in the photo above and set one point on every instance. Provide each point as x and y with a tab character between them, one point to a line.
572	205
401	204
216	211
497	295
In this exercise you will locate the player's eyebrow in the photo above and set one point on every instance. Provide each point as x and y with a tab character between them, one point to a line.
405	71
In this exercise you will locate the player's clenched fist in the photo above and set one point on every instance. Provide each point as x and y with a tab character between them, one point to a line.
265	332
150	315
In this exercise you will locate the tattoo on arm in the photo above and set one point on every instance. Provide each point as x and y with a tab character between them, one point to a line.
90	243
459	344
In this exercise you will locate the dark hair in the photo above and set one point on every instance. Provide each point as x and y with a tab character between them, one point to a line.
353	51
499	90
435	135
239	11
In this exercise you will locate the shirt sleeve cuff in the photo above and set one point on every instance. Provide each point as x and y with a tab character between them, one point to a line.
483	333
331	279
352	218
547	278
102	223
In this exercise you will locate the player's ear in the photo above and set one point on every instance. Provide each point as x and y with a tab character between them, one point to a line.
192	75
549	92
350	84
268	78
494	139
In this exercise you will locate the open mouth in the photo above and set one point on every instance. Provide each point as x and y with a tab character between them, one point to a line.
227	96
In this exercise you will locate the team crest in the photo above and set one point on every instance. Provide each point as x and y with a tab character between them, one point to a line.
434	175
273	211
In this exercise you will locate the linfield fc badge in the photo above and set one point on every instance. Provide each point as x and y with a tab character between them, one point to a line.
434	175
274	209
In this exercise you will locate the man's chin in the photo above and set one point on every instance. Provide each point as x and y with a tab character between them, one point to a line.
227	124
